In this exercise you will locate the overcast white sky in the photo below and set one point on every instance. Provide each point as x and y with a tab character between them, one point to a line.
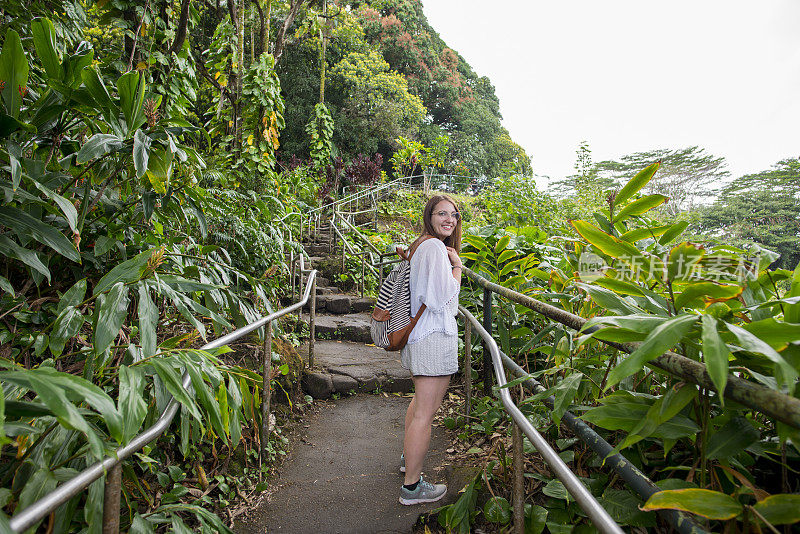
634	75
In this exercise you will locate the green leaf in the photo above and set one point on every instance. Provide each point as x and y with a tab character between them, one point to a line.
506	255
705	503
637	234
98	145
776	334
636	183
501	244
606	243
44	39
715	355
132	405
731	439
141	525
497	510
55	399
159	169
640	206
180	303
13	71
781	509
657	420
565	393
74	65
682	259
67	325
6	286
141	152
623	506
556	489
535	519
93	507
9	125
73	296
207	401
38	485
112	314
661	339
476	241
103	245
79	389
130	88
699	293
620	286
174	385
752	343
178	526
97	88
28	257
128	271
638	323
22	410
792	311
148	321
67	207
675	230
23	224
609	300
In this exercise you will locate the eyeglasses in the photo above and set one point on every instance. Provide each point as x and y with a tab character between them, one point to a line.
443	214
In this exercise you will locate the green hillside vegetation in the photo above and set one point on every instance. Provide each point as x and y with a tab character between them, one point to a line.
157	159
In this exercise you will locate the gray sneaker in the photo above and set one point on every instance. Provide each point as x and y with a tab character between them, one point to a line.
402	463
425	492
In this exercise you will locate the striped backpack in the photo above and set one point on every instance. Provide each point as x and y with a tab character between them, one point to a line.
391	322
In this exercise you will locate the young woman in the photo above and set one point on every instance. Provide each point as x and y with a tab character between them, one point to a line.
432	350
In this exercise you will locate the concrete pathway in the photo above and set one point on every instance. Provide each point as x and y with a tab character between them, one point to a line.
343	475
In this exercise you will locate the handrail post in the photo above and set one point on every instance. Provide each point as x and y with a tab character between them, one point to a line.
311	323
519	480
363	267
467	370
487	358
266	390
111	500
292	269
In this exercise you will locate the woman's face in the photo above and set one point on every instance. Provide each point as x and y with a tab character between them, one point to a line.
444	219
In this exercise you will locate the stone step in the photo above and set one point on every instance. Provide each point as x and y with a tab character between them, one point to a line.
349	327
339	304
343	367
318	248
327	290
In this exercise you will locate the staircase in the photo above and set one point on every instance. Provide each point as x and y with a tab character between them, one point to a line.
345	361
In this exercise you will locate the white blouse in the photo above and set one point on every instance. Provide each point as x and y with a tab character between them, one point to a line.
432	283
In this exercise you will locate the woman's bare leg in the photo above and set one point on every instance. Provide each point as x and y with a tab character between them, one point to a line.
428	394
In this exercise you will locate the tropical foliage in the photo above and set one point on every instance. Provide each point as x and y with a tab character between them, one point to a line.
636	282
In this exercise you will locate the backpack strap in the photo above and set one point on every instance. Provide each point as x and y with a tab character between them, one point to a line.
406	254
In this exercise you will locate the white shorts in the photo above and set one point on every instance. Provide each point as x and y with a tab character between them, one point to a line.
434	355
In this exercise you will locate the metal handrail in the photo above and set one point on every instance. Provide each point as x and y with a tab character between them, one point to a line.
627	471
598	515
28	517
361	194
772	403
624	468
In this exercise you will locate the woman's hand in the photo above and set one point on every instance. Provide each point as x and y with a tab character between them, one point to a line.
452	255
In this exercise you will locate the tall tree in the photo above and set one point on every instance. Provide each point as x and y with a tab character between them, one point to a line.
460	104
763	208
686	175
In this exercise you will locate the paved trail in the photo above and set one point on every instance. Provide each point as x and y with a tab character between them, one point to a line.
343	476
